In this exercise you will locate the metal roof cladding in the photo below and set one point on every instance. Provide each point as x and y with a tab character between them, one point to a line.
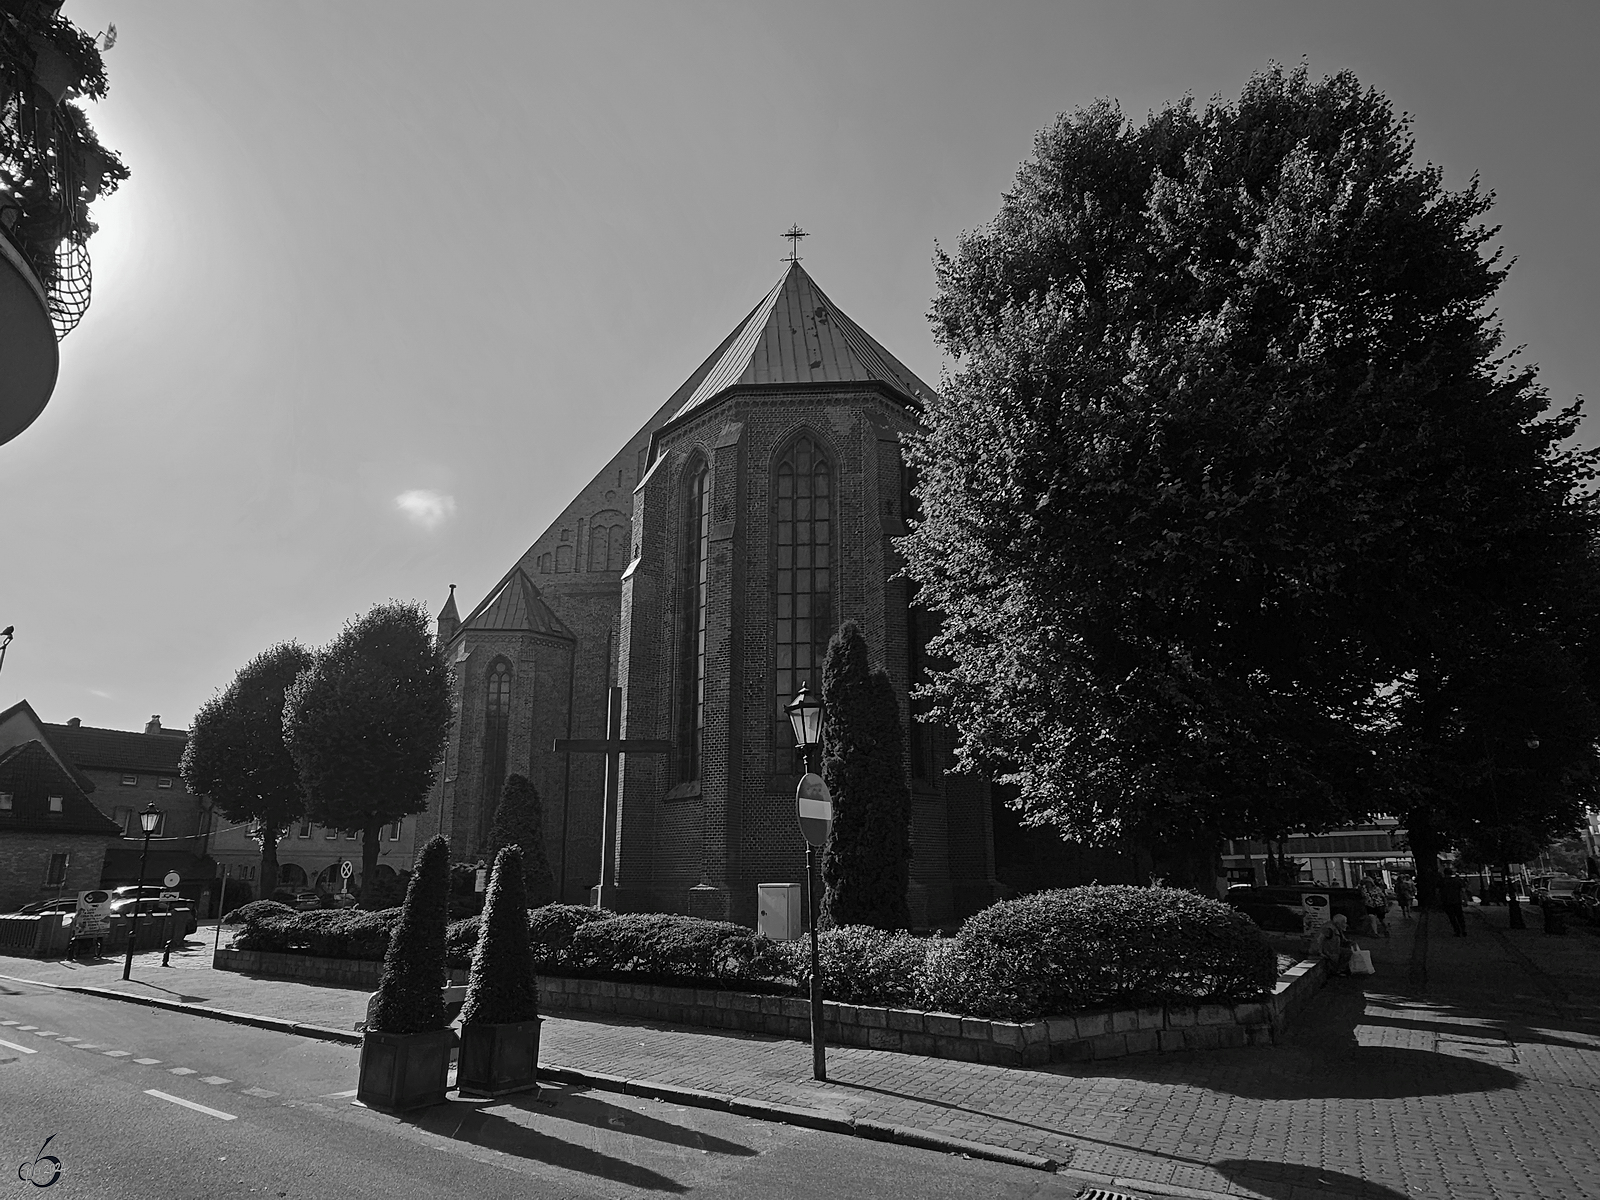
797	335
516	606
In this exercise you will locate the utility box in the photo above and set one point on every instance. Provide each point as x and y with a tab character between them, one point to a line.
780	911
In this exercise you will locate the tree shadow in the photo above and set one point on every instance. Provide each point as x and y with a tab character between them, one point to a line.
585	1109
489	1129
1281	1181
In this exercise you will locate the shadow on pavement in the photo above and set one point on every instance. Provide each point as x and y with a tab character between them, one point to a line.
487	1128
1281	1181
590	1110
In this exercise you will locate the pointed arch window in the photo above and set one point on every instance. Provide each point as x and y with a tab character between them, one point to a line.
696	594
496	728
802	582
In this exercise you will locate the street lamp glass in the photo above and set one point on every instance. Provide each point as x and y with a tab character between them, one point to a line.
805	716
149	819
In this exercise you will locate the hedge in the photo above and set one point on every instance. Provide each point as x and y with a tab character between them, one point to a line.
1050	952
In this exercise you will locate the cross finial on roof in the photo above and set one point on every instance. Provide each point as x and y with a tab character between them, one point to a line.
794	234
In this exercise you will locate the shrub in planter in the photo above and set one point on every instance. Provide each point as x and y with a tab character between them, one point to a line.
460	941
659	945
500	1018
405	1050
1056	951
255	910
550	932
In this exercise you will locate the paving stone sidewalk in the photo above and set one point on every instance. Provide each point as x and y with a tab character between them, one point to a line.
1465	1068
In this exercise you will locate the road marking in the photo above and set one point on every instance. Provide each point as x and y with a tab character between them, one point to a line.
210	1112
26	1028
86	1046
116	1053
259	1093
214	1080
69	1040
8	1022
179	1071
147	1062
46	1033
339	1095
14	1046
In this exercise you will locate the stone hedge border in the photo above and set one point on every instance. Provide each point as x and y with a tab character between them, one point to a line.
1083	1037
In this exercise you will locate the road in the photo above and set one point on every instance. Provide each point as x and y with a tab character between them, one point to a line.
137	1102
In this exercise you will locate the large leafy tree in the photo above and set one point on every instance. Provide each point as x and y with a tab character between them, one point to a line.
366	724
866	863
1231	476
519	821
236	755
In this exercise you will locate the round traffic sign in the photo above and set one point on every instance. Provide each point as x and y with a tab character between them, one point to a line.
814	807
172	879
347	868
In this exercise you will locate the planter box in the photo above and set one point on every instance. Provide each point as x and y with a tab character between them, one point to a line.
402	1071
497	1060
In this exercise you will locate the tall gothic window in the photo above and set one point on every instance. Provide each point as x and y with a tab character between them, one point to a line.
696	559
802	583
496	725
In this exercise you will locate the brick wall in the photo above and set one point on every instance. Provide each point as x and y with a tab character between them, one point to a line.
25	862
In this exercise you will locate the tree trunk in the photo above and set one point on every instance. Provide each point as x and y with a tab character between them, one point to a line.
1425	845
1513	909
369	863
269	863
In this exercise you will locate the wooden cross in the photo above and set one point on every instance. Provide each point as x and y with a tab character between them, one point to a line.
613	746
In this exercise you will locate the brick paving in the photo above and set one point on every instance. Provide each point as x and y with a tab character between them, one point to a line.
1465	1068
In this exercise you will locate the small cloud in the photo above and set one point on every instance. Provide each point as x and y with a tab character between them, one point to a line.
102	695
425	508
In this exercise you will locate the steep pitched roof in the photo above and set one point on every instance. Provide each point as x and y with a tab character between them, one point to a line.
20	723
515	606
119	749
30	775
797	335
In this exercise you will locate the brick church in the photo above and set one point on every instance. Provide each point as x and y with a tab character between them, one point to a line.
703	571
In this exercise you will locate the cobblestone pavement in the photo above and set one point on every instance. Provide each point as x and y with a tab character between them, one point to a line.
1465	1068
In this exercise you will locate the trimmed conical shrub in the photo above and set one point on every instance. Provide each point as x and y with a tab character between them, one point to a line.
519	821
502	987
410	999
867	862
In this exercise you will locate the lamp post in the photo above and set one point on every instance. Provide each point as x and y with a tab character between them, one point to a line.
805	717
148	820
6	635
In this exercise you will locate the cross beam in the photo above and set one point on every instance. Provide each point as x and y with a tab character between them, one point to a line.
613	746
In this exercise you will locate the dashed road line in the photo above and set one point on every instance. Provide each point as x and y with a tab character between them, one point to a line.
26	1028
45	1033
259	1093
86	1046
68	1040
147	1062
214	1080
200	1108
14	1046
8	1022
116	1053
179	1071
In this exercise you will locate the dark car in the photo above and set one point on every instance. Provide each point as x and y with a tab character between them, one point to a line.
1559	891
45	906
1280	907
123	899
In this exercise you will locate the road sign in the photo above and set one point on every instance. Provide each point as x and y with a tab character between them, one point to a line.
93	915
172	879
347	868
170	896
814	807
480	878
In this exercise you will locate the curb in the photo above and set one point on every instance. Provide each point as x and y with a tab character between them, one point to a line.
760	1110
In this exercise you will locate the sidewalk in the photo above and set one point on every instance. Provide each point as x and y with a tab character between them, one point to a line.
1465	1068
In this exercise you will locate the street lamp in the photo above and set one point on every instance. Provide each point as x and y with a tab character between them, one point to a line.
805	717
6	635
148	820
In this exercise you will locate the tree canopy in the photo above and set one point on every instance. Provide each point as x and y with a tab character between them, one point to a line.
866	863
236	753
367	723
1232	477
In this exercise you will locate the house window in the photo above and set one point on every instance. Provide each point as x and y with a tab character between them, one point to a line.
130	781
802	584
332	835
56	875
349	835
496	723
696	560
5	801
394	832
305	827
55	803
164	782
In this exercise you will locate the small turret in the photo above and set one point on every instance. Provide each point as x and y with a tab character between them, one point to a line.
449	619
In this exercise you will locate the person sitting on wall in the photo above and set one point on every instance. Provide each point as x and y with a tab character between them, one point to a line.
1333	945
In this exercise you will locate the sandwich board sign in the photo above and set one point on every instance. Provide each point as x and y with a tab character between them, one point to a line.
1315	911
814	807
93	915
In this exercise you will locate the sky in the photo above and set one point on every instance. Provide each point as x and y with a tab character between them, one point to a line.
390	281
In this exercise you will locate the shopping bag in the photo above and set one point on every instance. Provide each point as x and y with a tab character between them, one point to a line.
1361	962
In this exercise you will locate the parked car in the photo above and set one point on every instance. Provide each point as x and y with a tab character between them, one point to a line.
1559	891
124	898
64	905
1280	907
1586	900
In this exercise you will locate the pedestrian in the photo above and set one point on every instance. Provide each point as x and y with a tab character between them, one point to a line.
1406	892
1376	899
1333	946
1452	895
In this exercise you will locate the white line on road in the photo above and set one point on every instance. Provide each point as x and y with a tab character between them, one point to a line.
179	1071
210	1112
69	1040
116	1053
214	1080
14	1046
27	1028
46	1033
148	1062
339	1095
86	1046
10	1022
260	1093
